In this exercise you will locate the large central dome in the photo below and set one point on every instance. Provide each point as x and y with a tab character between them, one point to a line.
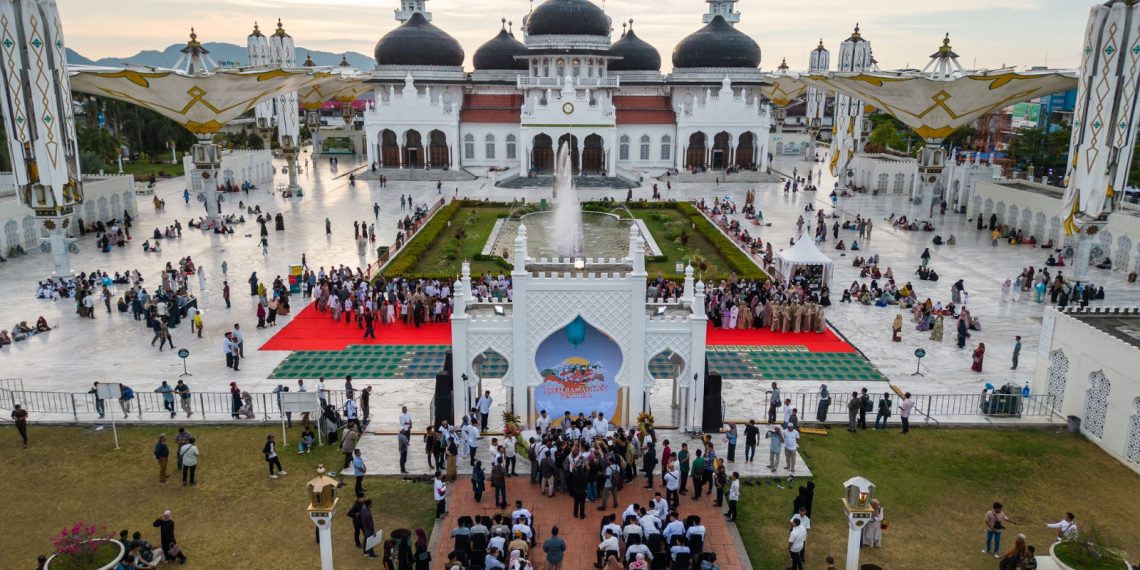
568	18
418	42
718	44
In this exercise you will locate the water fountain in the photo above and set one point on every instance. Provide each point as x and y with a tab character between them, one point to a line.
567	228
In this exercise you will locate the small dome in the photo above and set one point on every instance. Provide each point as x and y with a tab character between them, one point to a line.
568	18
418	42
500	52
718	44
636	54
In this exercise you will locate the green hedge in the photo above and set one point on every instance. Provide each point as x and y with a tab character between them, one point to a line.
737	260
421	241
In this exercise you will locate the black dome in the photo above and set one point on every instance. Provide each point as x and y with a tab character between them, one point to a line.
636	54
418	42
499	53
568	18
718	44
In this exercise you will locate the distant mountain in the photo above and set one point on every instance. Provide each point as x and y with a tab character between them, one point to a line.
219	52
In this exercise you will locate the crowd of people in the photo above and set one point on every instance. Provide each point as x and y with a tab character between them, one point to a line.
768	304
352	297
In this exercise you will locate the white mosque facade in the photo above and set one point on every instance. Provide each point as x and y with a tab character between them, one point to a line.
567	82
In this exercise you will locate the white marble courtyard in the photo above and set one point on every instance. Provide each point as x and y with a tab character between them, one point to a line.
114	347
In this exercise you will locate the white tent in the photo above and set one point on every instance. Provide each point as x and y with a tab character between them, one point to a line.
804	254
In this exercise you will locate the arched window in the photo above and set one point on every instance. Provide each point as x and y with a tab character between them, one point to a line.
490	152
623	148
469	146
644	155
560	65
666	147
511	148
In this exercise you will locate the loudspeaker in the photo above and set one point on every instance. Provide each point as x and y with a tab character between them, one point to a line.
443	399
447	369
712	420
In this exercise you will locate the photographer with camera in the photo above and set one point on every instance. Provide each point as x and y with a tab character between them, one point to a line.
995	519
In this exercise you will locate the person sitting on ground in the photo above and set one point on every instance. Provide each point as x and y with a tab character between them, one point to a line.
841	246
5	339
951	240
42	325
1106	264
937	240
1051	261
23	328
1060	260
1048	244
855	245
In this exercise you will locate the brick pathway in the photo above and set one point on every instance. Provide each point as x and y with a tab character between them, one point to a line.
581	535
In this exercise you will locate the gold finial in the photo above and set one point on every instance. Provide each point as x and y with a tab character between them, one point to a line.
856	35
256	31
946	40
193	36
344	61
280	28
309	60
783	64
504	21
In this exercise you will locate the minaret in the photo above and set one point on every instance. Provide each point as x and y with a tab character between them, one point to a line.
38	119
818	62
1104	126
284	54
854	56
195	58
723	8
944	62
409	7
258	45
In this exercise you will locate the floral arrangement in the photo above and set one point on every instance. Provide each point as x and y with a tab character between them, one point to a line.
81	539
512	431
645	421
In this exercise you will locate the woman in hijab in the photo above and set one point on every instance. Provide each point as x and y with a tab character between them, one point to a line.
804	499
422	556
824	404
478	481
925	256
979	356
1006	291
936	330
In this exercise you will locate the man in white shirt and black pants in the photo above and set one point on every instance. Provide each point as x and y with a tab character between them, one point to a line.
796	540
484	406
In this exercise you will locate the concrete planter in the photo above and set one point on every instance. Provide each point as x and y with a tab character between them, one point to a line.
1063	566
109	566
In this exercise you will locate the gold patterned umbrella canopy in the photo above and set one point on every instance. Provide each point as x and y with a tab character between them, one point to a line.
936	108
332	86
201	103
783	89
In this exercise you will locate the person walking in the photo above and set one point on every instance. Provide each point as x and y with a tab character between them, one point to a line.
1016	351
751	437
484	406
162	456
270	453
20	417
853	407
796	539
905	408
171	550
358	470
367	526
188	456
439	492
478	481
226	293
733	496
555	550
774	402
354	515
499	483
348	445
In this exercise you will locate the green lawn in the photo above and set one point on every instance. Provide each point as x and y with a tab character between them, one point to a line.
666	226
144	171
236	517
462	233
936	485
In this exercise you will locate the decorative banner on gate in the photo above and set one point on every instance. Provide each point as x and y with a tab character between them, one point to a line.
578	364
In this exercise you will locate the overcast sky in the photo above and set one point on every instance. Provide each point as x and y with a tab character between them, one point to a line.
985	33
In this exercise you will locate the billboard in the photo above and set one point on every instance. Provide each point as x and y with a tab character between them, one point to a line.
578	364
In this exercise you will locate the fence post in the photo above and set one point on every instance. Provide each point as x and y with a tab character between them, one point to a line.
202	404
74	411
264	407
139	401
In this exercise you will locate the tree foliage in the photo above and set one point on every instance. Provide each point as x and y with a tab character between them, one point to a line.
1037	148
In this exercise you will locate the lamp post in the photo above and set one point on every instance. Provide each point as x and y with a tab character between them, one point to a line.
857	507
322	507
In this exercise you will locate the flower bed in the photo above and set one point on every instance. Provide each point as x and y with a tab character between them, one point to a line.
101	555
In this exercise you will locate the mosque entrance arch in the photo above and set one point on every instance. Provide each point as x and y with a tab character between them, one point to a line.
413	149
745	150
593	155
389	149
542	154
438	155
722	147
695	155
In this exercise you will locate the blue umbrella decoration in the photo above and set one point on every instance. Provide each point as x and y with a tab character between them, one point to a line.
576	331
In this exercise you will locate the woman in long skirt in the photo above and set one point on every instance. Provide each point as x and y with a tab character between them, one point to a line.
824	404
979	357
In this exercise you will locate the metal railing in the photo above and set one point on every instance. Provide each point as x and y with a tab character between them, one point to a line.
931	408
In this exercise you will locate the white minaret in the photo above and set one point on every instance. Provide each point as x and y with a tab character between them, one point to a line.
723	8
1104	125
409	7
847	139
284	54
258	45
818	62
38	119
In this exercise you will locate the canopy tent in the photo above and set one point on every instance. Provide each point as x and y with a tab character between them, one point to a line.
805	255
782	89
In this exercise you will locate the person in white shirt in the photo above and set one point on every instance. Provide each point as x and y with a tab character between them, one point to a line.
631	529
672	485
439	491
695	529
1066	528
733	496
405	419
650	524
791	439
905	407
631	511
796	540
802	517
521	512
660	507
611	527
484	406
322	392
609	545
636	546
588	434
674	528
543	422
522	528
601	426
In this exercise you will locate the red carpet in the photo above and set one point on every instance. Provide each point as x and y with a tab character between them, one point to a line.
815	342
313	330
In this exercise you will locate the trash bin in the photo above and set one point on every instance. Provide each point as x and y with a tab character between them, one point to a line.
1074	424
